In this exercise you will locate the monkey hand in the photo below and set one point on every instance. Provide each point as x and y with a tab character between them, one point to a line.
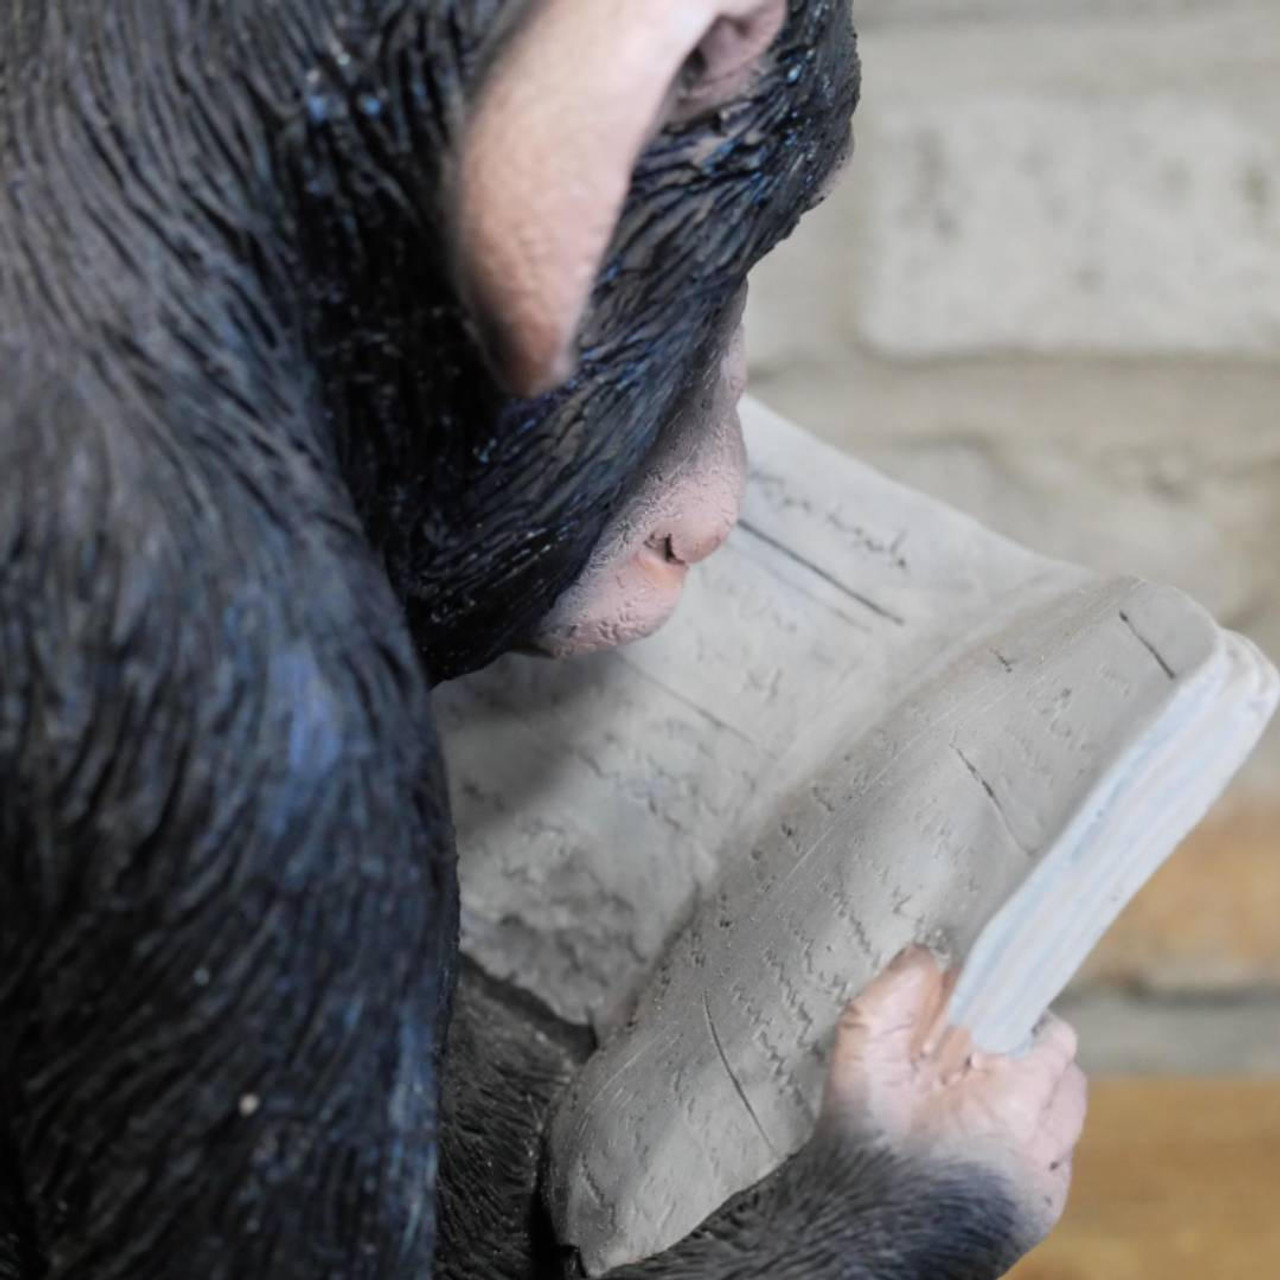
901	1078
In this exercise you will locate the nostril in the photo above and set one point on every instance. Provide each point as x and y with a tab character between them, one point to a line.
666	547
691	545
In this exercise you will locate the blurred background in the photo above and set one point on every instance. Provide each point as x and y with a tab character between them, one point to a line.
1048	291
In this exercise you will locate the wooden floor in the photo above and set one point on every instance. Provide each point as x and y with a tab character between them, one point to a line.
1176	1180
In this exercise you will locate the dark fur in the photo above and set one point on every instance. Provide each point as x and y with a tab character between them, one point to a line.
257	492
847	1212
508	1062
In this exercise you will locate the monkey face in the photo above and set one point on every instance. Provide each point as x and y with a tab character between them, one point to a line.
527	270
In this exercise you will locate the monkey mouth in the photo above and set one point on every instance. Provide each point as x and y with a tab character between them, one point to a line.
683	514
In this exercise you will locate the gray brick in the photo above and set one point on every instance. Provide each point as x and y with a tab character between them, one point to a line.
1008	221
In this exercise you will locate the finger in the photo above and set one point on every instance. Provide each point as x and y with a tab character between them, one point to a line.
936	1027
1064	1117
890	1011
1039	1069
953	1053
1055	1043
1054	1190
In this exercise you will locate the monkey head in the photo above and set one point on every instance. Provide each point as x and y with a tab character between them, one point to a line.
527	229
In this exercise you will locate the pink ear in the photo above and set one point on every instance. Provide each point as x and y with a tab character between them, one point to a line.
547	159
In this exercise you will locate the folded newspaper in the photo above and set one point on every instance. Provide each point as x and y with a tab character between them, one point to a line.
873	723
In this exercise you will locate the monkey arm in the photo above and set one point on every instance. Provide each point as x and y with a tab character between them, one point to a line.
838	1211
507	1062
930	1159
226	870
832	1212
844	1208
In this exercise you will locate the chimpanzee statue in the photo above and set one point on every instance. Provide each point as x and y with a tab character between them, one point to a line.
345	344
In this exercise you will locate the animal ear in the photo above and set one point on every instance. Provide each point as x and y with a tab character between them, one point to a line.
547	157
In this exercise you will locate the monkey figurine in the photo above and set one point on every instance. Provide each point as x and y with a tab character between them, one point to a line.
345	345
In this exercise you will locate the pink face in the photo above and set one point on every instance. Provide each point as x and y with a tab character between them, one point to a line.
684	510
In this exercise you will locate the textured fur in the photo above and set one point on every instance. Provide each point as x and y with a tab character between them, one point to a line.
508	1061
258	491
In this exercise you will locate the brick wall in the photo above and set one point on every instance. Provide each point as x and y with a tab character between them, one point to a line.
1048	291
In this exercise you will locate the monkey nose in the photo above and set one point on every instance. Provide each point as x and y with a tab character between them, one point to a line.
698	533
708	500
692	546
